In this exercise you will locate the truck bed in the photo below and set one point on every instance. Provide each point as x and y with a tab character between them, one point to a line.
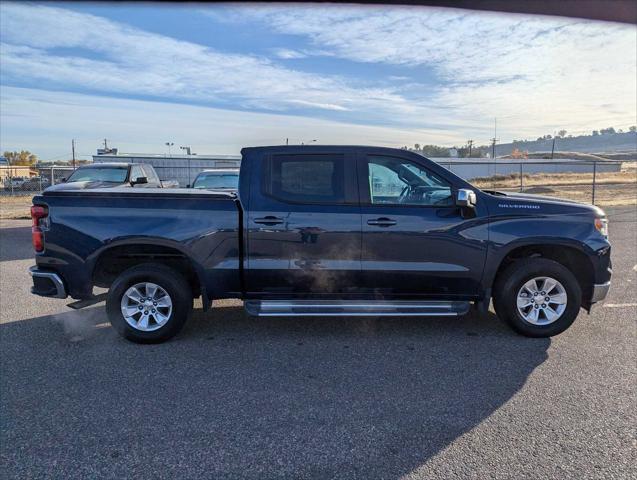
200	225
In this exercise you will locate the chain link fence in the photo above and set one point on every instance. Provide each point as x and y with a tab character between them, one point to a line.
600	183
20	181
595	182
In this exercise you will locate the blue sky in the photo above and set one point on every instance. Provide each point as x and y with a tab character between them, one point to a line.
221	77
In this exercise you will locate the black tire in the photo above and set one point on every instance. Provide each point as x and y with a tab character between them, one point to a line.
168	279
511	280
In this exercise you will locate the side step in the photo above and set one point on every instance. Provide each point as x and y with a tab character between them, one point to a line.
87	302
355	308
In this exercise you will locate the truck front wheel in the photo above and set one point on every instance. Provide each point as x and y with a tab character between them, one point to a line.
537	297
149	303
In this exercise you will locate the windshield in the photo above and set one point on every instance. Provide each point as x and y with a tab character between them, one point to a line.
115	175
217	180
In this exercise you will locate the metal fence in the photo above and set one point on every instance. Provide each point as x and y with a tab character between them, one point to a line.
16	181
601	183
596	182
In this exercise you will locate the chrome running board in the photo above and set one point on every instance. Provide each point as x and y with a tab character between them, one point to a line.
354	308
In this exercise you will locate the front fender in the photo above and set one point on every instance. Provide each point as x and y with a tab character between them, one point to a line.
508	233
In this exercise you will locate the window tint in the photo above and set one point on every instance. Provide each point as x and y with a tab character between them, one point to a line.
306	178
395	181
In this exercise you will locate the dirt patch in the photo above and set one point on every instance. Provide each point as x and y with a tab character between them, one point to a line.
626	176
611	188
15	207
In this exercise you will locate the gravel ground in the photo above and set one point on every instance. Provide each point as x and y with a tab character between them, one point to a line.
235	397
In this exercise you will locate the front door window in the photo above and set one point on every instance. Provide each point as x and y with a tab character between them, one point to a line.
396	181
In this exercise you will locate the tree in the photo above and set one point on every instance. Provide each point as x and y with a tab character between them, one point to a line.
417	146
632	128
595	133
607	131
24	157
562	133
435	151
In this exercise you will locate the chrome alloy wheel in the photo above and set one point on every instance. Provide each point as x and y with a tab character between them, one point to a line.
146	306
542	300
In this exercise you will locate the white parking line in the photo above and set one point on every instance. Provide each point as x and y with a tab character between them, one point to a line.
620	305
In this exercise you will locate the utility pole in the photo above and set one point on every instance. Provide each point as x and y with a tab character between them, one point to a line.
187	149
469	144
73	151
169	144
553	147
287	140
494	139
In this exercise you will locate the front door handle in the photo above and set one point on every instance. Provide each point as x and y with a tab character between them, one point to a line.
269	220
382	222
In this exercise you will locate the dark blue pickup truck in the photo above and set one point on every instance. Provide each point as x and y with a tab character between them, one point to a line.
327	231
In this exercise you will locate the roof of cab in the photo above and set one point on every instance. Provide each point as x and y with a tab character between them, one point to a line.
314	148
109	165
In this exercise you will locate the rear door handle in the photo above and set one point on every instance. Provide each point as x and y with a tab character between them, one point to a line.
382	222
269	220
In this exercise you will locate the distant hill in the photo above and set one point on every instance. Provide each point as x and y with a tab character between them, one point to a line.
606	143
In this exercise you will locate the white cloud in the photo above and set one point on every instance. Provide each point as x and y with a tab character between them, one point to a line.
288	54
44	122
535	74
137	62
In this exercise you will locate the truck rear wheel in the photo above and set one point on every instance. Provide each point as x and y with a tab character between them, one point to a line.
149	303
537	297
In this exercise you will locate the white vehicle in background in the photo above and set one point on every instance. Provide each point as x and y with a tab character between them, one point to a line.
18	182
219	179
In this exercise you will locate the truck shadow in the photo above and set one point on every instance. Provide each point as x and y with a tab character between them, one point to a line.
237	397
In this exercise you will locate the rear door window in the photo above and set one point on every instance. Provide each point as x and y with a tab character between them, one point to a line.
318	178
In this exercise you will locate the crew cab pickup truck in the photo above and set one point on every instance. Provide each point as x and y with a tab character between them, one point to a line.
110	175
324	231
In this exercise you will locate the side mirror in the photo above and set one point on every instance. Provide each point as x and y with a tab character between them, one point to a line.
466	198
63	180
188	186
139	181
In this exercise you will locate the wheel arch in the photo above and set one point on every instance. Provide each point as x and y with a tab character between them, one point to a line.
106	263
572	255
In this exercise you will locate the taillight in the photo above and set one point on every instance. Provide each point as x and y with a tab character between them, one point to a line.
38	212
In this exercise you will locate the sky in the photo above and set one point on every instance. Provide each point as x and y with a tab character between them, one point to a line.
220	77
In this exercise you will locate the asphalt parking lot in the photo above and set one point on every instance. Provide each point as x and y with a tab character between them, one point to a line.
235	397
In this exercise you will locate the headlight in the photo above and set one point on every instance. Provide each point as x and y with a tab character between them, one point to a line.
601	224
